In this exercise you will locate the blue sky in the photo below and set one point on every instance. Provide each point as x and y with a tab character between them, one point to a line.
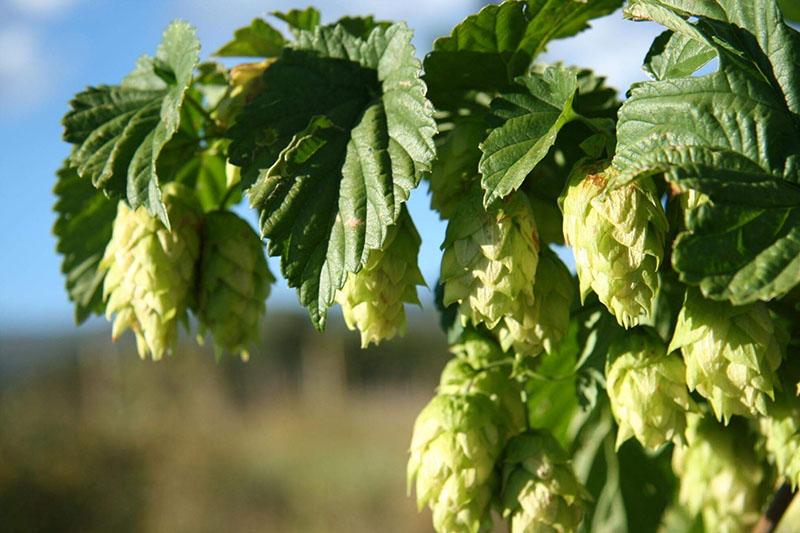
50	49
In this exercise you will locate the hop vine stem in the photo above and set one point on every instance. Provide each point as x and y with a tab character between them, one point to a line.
781	501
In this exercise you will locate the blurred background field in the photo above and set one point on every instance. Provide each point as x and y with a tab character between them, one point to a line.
309	435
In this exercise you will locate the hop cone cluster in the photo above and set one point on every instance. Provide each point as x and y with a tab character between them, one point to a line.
540	491
617	236
234	282
543	324
731	353
372	299
720	476
489	266
647	390
150	271
457	440
781	431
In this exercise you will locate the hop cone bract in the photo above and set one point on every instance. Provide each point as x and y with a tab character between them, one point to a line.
489	266
234	282
540	491
731	353
720	475
458	377
617	236
150	270
781	431
372	299
457	440
647	390
541	325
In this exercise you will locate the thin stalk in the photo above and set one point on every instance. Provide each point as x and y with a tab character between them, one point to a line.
777	507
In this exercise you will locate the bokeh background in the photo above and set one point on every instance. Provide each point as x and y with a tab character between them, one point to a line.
311	434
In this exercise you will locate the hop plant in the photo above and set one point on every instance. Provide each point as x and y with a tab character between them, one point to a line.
459	377
234	282
731	353
477	349
372	299
617	236
489	267
647	390
543	324
720	475
457	440
781	431
150	271
540	491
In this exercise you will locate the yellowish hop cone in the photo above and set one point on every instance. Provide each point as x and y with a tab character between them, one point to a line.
617	236
373	299
731	353
489	267
781	431
720	475
647	390
457	440
540	491
150	271
234	283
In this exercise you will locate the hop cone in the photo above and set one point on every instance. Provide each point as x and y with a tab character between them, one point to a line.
458	377
720	476
234	282
457	440
617	236
372	299
647	390
540	491
781	431
731	353
542	325
489	265
477	349
150	271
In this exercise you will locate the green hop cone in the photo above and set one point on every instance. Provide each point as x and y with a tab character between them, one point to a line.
455	171
647	390
731	353
618	237
150	271
781	431
372	299
720	475
540	491
477	349
234	282
489	267
457	440
459	377
542	325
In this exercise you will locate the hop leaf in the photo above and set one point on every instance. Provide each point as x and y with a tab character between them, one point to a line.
489	266
618	239
647	390
540	490
781	431
150	271
720	476
459	377
234	282
731	353
372	299
542	325
457	440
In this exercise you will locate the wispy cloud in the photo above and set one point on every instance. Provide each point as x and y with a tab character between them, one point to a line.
23	68
42	8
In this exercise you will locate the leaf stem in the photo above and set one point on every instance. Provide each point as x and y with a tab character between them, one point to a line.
777	507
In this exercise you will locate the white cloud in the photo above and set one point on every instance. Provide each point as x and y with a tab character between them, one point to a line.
43	8
613	47
23	69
